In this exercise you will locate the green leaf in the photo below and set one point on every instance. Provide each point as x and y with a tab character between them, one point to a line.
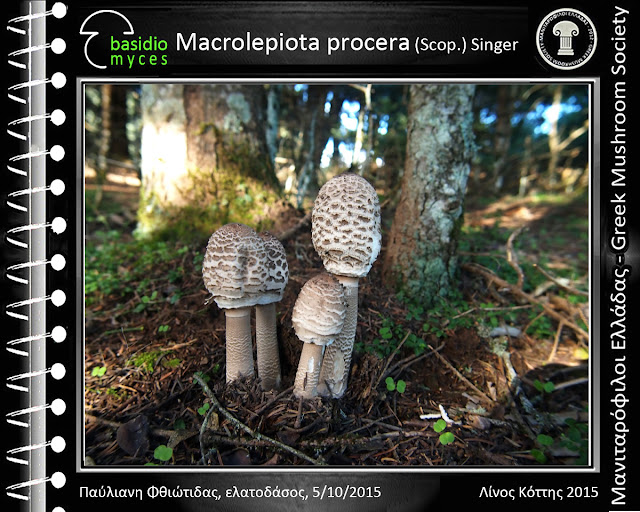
179	424
538	385
163	453
539	456
447	438
545	440
203	376
98	371
439	425
574	434
401	386
549	387
203	410
385	333
390	384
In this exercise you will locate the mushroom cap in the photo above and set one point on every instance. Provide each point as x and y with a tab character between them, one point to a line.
320	309
346	225
235	266
277	269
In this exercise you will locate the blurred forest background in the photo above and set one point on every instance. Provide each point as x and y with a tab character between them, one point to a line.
168	164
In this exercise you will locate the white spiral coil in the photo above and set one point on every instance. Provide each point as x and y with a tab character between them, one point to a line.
28	132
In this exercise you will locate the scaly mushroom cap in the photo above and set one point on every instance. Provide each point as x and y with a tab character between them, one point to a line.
320	310
346	225
277	269
235	266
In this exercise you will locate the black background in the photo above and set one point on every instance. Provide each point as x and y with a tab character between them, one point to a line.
403	489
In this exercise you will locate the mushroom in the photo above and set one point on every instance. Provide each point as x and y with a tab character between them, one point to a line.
346	234
318	317
266	328
234	271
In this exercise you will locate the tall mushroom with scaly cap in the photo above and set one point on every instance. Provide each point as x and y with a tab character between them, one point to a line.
266	329
318	316
346	234
234	271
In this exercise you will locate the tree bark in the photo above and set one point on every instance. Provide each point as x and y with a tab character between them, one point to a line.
201	144
421	255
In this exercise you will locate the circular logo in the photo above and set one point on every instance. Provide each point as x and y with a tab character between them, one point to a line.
566	38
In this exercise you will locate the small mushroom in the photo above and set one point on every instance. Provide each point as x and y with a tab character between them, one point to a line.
346	234
318	317
234	271
266	329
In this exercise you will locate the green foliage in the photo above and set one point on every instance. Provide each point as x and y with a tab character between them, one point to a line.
541	326
147	360
98	371
539	455
216	197
544	387
118	267
163	453
203	410
439	425
163	329
145	301
392	385
544	440
576	439
203	376
446	437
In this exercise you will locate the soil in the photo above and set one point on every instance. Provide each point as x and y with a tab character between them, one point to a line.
490	397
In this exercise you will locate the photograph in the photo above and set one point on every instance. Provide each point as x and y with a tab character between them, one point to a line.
340	273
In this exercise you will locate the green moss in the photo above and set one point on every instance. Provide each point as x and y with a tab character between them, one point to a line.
217	199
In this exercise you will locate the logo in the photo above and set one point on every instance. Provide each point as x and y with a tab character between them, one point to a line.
566	39
121	52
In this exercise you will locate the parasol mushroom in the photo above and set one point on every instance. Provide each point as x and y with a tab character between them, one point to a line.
346	234
234	271
266	329
318	317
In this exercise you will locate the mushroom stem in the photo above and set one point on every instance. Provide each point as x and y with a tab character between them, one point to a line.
337	358
239	343
267	346
308	371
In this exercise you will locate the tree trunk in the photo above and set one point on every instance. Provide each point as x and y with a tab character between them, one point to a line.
204	151
502	138
421	254
554	137
105	143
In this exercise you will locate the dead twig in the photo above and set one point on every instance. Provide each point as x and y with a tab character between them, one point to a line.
461	377
556	342
256	435
512	257
403	364
560	282
389	359
492	278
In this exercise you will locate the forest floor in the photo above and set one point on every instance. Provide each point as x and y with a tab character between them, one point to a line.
497	375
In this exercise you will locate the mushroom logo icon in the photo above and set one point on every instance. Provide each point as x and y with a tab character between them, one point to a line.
87	30
566	39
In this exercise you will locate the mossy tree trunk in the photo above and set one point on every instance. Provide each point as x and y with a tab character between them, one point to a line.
205	158
421	255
